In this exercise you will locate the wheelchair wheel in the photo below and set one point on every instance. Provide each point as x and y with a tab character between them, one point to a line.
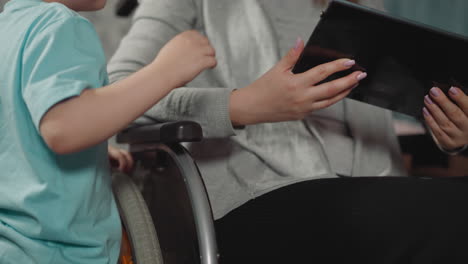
137	221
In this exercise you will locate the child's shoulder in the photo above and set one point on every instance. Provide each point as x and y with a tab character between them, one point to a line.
55	14
38	23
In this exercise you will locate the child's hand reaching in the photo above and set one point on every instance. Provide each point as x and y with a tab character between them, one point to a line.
185	56
94	112
120	159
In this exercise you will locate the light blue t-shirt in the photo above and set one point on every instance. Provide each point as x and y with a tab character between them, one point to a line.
53	208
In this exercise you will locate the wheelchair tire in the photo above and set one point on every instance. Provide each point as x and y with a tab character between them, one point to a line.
137	221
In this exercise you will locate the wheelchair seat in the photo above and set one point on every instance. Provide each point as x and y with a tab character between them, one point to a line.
164	205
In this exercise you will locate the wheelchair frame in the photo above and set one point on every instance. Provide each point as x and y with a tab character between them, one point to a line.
157	146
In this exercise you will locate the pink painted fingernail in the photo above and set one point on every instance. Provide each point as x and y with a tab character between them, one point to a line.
426	113
434	91
298	44
428	99
361	76
453	90
349	63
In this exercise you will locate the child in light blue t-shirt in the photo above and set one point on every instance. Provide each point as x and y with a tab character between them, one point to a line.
56	113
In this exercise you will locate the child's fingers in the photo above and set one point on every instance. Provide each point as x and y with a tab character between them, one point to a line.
209	51
439	117
128	160
209	62
120	159
120	162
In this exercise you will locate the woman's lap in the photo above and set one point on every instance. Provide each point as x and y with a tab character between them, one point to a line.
362	220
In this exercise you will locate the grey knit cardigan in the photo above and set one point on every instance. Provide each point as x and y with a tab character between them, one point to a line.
241	164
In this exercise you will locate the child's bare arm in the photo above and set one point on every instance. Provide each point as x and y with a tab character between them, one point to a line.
97	114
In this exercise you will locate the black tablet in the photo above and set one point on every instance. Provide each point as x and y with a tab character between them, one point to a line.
403	59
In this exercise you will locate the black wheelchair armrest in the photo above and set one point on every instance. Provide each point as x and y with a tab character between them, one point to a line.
169	132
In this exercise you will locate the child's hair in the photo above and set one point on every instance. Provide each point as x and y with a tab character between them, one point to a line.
324	2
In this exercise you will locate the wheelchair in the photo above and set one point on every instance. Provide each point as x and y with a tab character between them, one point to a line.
164	205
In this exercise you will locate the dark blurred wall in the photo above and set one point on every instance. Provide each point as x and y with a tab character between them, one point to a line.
449	15
2	2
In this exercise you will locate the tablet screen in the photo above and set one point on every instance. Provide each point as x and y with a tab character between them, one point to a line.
403	59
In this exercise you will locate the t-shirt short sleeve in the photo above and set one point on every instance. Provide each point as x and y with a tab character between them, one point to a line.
59	62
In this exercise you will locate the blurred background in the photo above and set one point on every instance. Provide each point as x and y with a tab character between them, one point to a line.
449	15
446	14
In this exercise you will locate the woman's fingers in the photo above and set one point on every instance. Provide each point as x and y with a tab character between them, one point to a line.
280	95
322	71
460	98
444	139
439	116
330	101
331	89
445	112
447	119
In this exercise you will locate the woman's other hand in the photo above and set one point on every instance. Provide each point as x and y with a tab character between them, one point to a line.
120	159
184	57
280	95
448	119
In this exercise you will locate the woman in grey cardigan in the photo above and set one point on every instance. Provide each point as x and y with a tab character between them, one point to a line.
266	134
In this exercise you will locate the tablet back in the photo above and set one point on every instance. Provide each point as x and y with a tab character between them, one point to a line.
403	59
